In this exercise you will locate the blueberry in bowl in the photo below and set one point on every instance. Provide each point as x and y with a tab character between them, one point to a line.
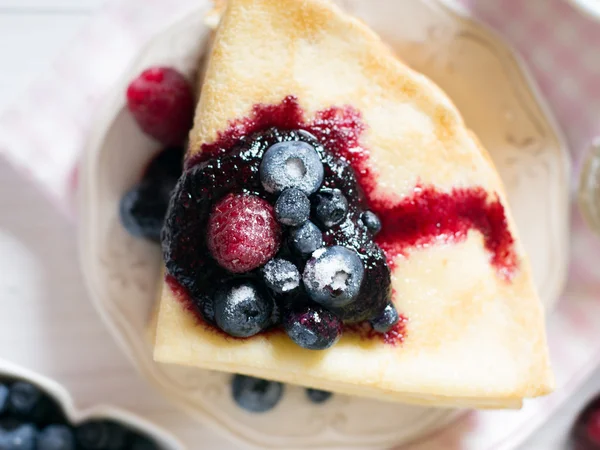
37	414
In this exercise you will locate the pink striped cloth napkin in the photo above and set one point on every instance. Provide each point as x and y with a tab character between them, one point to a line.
44	133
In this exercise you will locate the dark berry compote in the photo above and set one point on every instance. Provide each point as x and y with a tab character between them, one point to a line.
277	224
280	222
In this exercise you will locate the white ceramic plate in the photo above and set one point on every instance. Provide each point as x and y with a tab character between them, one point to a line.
75	416
496	97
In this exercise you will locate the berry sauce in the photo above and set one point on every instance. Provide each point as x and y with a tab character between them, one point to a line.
206	182
416	220
231	163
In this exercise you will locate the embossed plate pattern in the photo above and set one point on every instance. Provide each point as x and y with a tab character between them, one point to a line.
485	80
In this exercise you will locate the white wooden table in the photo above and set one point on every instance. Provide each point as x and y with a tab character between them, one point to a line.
46	320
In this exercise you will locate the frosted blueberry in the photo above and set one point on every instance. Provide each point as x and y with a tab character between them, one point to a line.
333	276
291	164
241	310
281	276
386	320
330	207
292	208
313	327
371	221
306	238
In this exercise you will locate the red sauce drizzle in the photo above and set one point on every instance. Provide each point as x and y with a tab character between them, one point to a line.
428	215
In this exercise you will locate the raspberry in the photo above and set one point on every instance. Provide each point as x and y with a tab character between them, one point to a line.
242	233
593	427
162	103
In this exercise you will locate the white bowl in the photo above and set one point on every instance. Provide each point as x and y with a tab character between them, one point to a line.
466	60
75	416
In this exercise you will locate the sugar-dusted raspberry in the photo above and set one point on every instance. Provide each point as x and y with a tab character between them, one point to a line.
242	232
162	103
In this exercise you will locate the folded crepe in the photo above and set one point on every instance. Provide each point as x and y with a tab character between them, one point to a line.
473	331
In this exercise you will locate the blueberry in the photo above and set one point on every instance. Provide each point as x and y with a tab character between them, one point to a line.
371	221
313	327
330	207
143	443
241	310
142	211
4	393
291	164
318	396
306	238
205	306
20	437
281	276
333	276
144	207
56	437
27	402
292	208
101	435
386	320
24	400
254	394
276	314
165	168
